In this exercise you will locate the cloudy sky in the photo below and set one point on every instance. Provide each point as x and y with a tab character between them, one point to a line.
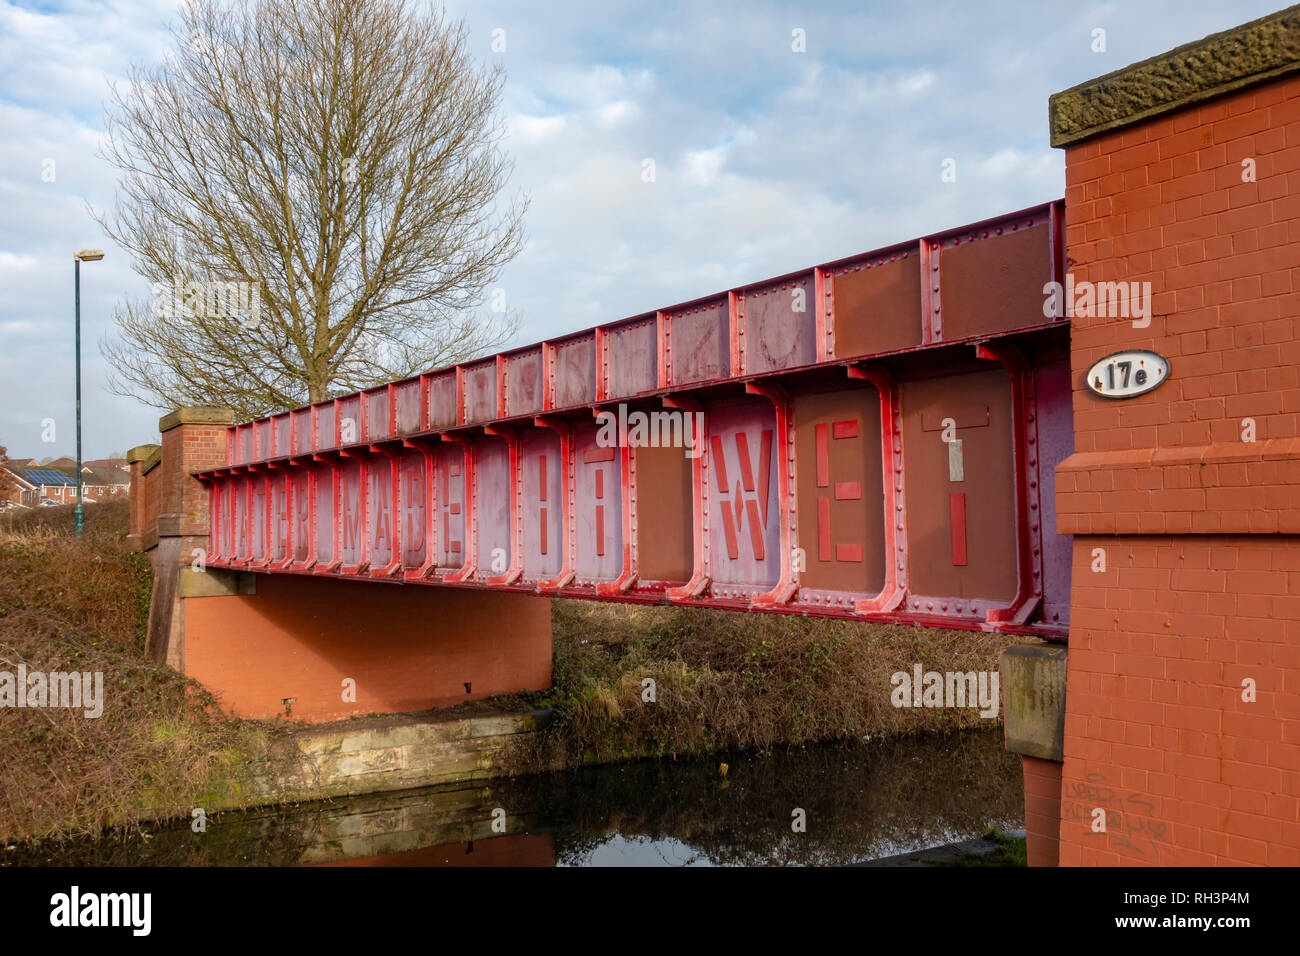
766	159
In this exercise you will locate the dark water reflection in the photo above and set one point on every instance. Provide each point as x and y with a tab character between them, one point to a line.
861	801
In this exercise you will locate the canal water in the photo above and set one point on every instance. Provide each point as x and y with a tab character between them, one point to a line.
814	805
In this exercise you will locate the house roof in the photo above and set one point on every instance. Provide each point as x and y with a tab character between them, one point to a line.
18	474
44	476
106	475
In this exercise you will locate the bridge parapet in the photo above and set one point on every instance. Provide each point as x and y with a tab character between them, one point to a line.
872	438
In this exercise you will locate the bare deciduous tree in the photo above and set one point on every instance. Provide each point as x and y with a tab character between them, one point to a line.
8	487
314	189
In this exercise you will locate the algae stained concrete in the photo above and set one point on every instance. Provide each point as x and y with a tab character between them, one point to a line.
373	755
1033	683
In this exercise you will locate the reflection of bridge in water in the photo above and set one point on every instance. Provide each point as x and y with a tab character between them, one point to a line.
862	802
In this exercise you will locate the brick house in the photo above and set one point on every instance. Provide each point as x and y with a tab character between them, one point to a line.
107	477
31	486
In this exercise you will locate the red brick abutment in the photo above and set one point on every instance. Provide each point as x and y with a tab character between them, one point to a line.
1169	732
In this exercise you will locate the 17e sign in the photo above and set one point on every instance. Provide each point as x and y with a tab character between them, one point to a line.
1127	374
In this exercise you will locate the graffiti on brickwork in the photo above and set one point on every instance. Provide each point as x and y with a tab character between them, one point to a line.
1129	816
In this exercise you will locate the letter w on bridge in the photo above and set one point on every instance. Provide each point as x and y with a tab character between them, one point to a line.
873	438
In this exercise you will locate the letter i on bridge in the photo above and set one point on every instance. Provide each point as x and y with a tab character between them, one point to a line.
843	491
541	497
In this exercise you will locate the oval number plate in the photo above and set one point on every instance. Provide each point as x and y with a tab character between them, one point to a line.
1126	374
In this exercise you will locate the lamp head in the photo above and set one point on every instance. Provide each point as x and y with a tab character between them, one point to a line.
89	255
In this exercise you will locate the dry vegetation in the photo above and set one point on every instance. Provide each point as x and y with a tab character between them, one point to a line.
726	680
80	605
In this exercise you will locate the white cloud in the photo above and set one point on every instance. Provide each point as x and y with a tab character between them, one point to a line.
13	261
768	160
705	165
536	127
914	82
611	114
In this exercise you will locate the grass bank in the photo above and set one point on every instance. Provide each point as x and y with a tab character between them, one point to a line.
1011	851
80	604
723	680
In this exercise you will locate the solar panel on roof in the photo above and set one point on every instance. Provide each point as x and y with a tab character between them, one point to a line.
47	476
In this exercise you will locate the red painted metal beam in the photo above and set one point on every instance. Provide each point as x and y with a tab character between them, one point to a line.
298	489
891	458
1029	551
568	535
786	586
699	579
468	500
514	508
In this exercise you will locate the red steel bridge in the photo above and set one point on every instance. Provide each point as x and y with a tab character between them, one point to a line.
874	438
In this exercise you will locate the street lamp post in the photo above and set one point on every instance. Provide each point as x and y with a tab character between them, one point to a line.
85	255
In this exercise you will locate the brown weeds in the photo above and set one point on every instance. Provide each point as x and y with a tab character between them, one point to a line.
728	680
722	680
80	604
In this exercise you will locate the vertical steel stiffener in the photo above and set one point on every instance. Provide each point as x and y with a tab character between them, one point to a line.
867	439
